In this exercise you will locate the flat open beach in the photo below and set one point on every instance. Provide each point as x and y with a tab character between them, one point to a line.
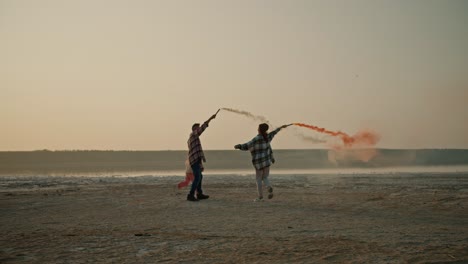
335	218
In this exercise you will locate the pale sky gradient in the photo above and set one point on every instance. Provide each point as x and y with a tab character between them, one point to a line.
135	75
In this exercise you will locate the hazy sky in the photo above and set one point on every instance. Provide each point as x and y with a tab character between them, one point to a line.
135	75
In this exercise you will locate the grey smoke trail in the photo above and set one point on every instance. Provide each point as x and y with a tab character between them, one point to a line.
310	138
248	114
264	120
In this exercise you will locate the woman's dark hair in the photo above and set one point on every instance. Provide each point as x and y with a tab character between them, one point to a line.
263	128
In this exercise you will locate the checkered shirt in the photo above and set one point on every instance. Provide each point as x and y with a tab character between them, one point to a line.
195	153
262	155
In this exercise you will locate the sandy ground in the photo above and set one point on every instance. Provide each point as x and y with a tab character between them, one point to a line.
390	218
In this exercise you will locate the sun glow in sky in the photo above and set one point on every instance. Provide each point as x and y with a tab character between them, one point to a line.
135	74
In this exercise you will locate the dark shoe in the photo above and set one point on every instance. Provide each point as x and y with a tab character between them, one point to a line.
191	198
270	193
202	196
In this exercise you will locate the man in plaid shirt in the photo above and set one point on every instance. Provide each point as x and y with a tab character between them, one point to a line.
262	157
196	158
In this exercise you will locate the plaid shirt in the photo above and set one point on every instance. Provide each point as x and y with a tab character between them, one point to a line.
262	155
195	153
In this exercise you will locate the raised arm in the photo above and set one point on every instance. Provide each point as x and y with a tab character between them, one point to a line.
202	128
272	134
212	117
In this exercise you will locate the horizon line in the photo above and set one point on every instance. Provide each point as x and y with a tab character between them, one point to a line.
160	150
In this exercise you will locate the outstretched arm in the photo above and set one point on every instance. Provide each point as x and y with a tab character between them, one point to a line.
245	146
272	134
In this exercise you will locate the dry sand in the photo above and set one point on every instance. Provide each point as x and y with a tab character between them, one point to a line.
390	218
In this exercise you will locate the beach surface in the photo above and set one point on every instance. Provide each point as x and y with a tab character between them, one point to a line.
337	218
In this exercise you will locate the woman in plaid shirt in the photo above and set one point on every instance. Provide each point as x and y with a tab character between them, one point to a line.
262	157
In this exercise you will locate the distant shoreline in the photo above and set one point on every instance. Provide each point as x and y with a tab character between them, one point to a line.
223	160
211	150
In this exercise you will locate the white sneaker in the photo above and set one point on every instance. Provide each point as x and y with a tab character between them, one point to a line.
259	199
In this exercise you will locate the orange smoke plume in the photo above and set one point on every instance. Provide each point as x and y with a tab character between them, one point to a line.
362	138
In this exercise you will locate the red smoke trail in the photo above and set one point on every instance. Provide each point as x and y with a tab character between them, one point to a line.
362	138
367	139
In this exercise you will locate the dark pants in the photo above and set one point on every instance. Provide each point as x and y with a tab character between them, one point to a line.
197	180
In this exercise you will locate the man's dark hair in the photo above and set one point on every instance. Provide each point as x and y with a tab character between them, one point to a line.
195	125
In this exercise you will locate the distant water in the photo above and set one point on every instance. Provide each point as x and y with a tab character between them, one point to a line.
132	163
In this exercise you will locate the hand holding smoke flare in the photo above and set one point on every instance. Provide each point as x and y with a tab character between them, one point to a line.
213	116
